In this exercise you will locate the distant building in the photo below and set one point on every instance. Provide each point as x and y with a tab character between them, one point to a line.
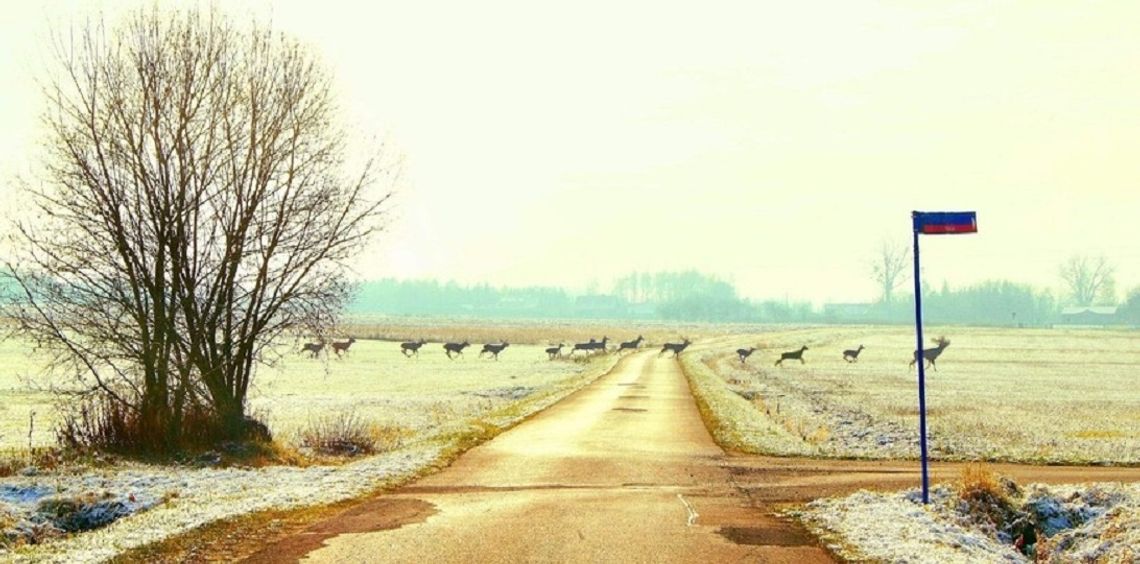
1089	315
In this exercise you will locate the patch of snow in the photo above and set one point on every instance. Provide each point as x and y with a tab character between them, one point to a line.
1078	523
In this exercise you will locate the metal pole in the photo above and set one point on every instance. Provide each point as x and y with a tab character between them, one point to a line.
921	362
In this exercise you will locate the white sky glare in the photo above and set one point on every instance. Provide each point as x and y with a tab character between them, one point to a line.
772	143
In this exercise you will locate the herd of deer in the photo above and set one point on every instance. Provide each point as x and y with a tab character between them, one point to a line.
852	355
409	349
593	346
452	350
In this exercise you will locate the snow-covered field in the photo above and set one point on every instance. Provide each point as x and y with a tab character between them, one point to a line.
430	399
1023	395
1078	523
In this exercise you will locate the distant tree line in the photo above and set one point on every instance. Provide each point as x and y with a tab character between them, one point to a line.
694	296
992	302
432	297
685	295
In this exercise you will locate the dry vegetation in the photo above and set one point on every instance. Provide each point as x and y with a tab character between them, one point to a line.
1025	395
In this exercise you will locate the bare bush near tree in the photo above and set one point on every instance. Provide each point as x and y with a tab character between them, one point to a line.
889	268
1089	280
196	205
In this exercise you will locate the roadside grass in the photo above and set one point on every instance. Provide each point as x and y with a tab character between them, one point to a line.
737	423
1061	396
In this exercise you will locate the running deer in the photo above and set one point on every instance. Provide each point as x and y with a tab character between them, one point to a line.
745	353
591	346
341	347
631	345
312	348
932	354
493	349
675	347
793	355
583	346
555	352
456	348
411	348
852	355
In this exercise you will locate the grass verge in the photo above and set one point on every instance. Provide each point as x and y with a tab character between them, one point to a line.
733	421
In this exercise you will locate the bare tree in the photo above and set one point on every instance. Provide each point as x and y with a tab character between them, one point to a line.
1089	280
197	205
889	268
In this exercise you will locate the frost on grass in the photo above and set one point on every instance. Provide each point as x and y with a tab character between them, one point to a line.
180	499
1075	523
1035	396
735	421
784	416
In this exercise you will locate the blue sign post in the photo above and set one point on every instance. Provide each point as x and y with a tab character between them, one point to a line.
931	223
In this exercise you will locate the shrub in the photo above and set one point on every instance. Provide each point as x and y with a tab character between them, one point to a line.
99	423
987	499
16	461
346	434
978	477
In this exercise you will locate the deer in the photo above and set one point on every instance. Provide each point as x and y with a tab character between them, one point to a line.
591	346
341	347
493	349
852	355
745	353
456	348
555	352
312	348
930	355
583	346
601	345
413	347
675	347
631	345
793	355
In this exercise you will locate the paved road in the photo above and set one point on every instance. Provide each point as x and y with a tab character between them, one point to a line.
622	471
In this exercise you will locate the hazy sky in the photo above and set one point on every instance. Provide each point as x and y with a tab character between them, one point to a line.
773	143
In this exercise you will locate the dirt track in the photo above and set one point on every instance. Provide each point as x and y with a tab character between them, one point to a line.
622	471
